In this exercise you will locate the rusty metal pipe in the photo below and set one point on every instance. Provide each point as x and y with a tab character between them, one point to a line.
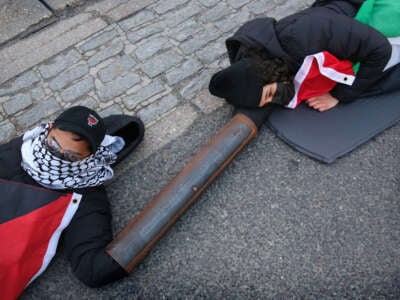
131	245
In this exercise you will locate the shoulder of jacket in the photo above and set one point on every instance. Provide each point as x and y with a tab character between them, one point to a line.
90	193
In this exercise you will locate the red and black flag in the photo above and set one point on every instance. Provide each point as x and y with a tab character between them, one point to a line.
318	74
31	222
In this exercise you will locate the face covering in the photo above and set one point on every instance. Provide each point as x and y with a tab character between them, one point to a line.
284	93
55	173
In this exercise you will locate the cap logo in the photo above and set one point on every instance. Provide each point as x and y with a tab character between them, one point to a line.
92	120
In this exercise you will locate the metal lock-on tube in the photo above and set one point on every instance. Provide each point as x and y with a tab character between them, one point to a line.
131	245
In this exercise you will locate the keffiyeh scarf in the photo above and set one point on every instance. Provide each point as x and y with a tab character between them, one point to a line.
55	173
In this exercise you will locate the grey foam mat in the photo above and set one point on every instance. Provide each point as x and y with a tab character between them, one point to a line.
329	135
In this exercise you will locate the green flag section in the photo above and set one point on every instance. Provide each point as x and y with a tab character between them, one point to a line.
383	15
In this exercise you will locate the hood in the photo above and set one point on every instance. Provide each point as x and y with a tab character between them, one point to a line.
257	33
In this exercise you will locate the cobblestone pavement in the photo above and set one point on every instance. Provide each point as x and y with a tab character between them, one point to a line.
155	63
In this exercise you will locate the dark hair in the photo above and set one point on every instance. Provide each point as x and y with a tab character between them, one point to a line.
273	69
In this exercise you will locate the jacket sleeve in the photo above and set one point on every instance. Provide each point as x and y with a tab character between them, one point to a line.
373	51
10	158
85	240
346	7
316	30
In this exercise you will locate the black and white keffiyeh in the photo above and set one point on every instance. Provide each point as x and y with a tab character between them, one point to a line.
55	173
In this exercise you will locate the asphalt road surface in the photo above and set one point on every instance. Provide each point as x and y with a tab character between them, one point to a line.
274	224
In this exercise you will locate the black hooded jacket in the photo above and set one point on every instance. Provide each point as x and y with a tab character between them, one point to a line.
88	233
314	30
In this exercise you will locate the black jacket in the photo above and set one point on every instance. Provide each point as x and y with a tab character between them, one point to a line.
88	233
314	30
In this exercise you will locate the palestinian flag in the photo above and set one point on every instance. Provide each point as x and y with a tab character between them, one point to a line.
31	222
318	74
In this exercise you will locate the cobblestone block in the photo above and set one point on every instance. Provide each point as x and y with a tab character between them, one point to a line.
185	31
156	109
78	90
161	63
24	81
137	35
209	3
98	40
286	9
176	17
117	87
7	131
17	103
200	40
183	71
88	102
260	7
207	103
68	76
137	20
38	93
40	111
151	47
116	10
105	53
193	87
223	63
4	99
163	6
216	13
144	93
59	63
127	9
233	22
111	110
121	65
237	3
212	52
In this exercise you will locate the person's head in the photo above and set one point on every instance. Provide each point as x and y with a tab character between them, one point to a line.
76	133
254	81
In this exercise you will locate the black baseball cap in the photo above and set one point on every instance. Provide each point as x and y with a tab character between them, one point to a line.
85	122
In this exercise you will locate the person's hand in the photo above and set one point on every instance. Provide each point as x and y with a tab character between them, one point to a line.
322	102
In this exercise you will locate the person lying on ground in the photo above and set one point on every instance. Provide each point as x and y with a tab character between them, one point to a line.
268	56
74	154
